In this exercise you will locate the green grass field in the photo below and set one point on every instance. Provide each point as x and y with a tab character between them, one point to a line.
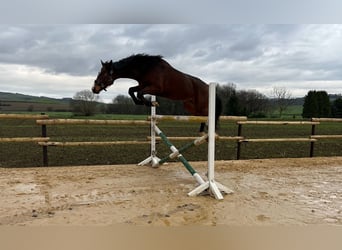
291	113
30	154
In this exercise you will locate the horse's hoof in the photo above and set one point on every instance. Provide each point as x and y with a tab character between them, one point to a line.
155	104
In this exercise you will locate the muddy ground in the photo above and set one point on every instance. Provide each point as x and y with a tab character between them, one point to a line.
305	191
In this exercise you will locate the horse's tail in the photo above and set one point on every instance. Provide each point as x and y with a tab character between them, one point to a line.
218	110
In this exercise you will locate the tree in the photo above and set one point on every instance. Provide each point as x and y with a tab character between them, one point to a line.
252	103
122	99
310	105
336	108
123	104
242	102
324	105
282	98
316	104
226	91
233	107
227	94
84	103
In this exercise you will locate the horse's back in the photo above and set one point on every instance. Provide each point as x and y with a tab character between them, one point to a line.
176	85
192	90
182	83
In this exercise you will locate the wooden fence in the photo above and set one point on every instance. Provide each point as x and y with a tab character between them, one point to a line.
45	142
24	117
311	138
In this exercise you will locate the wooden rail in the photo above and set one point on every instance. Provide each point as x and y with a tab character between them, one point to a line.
25	139
190	138
195	118
326	119
23	116
326	136
279	140
90	122
277	123
91	143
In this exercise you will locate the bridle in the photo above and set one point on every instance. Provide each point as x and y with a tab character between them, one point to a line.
102	85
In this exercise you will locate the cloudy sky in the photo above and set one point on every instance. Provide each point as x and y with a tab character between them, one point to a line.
60	60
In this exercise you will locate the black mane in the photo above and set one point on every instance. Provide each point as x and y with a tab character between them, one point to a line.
138	63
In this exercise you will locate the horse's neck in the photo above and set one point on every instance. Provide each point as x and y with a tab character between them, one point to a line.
127	73
130	76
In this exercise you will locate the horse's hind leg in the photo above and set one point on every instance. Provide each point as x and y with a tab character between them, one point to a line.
202	127
190	107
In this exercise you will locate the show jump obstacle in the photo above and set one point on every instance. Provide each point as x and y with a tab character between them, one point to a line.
211	185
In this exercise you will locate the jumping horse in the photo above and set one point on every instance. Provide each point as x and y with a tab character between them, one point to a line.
157	77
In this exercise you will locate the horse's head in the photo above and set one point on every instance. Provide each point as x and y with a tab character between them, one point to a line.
105	77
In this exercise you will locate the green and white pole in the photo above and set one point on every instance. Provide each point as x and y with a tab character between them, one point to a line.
176	154
194	143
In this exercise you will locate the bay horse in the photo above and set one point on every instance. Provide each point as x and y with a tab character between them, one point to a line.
155	76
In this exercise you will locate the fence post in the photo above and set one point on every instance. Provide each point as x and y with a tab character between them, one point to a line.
312	144
45	150
238	153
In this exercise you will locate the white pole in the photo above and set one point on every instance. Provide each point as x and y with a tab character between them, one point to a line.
214	187
152	159
211	131
153	123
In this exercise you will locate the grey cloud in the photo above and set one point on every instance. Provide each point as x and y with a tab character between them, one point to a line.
244	54
75	49
59	49
162	11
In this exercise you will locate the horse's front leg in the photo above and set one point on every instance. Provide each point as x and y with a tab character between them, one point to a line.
148	103
151	90
131	92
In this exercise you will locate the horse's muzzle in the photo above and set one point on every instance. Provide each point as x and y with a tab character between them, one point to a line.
95	90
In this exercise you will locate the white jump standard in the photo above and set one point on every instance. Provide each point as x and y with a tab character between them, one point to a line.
214	187
153	159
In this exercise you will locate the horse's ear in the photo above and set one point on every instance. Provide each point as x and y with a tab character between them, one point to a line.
102	63
111	62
